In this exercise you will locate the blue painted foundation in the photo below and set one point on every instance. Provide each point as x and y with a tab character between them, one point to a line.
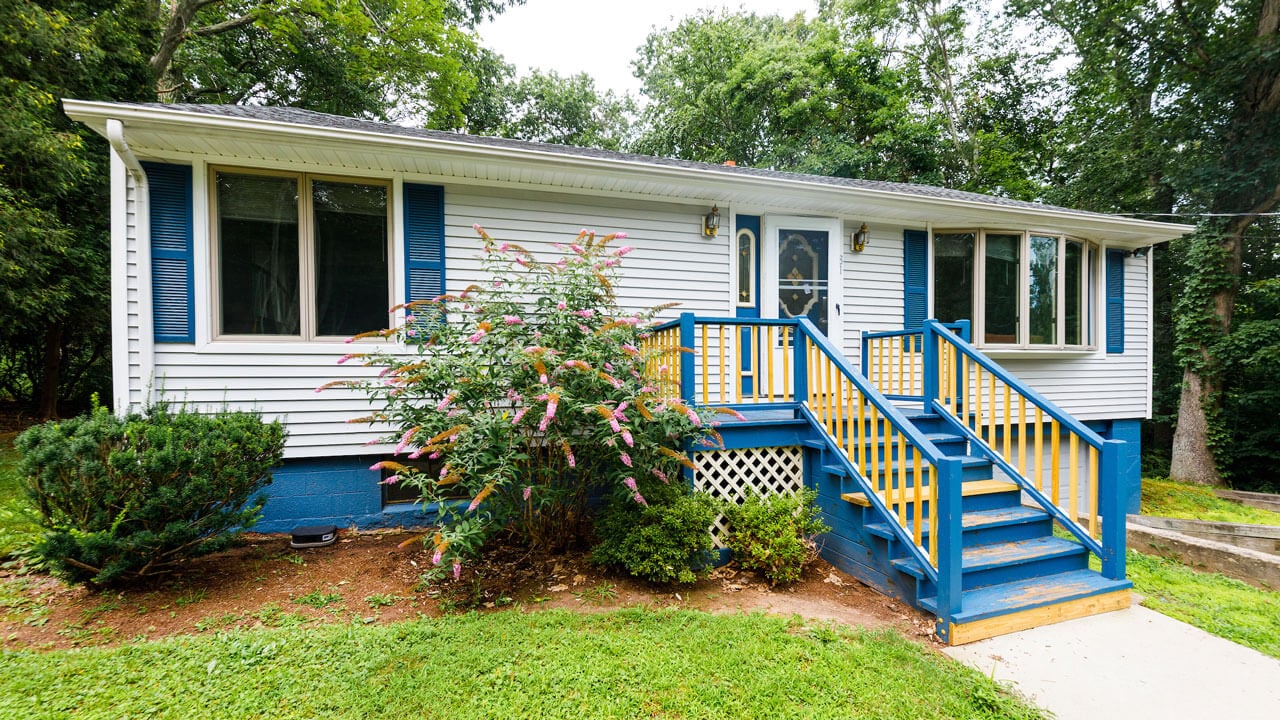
341	491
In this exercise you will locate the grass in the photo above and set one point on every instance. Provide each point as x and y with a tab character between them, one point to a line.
1166	498
627	663
17	521
1214	603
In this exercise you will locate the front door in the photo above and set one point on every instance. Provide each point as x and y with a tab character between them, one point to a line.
801	273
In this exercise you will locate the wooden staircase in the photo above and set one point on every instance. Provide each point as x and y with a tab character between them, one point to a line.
1015	573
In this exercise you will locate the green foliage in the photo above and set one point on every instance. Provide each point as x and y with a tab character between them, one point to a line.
666	541
554	664
546	107
53	189
772	533
18	527
534	392
787	94
350	57
125	498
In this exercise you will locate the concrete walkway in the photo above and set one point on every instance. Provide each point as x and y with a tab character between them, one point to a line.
1132	664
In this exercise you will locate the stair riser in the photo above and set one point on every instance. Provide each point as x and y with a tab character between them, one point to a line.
969	472
971	503
952	446
1007	533
1024	570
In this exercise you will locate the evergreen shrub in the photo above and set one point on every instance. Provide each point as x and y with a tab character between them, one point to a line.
123	498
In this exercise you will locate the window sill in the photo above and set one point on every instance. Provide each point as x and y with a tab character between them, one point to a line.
1013	353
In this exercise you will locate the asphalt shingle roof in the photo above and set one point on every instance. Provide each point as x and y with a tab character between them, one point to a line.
296	116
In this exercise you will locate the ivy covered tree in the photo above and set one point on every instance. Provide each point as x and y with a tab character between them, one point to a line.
1176	108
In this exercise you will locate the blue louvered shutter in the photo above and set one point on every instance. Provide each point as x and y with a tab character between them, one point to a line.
915	277
1115	301
423	241
172	284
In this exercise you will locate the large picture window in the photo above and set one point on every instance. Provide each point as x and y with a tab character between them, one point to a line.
1019	289
300	256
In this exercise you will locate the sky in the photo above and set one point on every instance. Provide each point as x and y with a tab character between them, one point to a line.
600	37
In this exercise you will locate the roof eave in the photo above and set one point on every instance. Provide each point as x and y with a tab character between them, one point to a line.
95	114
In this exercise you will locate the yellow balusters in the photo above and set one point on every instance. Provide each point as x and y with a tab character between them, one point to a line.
902	479
1092	476
1055	470
1073	474
1022	434
918	520
767	349
706	360
1039	482
755	363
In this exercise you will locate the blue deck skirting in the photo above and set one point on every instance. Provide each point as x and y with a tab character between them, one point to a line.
340	491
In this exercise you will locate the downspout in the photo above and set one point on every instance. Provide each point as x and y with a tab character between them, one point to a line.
121	379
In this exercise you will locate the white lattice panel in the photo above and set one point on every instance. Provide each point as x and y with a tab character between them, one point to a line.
728	474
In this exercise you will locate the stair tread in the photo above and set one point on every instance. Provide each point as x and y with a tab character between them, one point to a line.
976	519
1011	597
968	489
979	557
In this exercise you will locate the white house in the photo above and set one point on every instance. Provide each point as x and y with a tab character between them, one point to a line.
249	242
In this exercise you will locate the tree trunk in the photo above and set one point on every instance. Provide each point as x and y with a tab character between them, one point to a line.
47	403
1192	459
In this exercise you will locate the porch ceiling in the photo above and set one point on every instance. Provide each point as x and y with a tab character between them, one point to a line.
162	133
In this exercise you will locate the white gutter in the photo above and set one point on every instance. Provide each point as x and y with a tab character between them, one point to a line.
184	121
120	379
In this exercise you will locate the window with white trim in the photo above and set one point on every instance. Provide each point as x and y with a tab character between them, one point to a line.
1018	288
298	255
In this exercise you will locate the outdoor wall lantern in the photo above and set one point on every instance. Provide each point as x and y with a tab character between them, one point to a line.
858	240
711	222
1139	252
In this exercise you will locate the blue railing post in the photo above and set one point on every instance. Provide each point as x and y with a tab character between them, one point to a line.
688	382
963	326
1111	492
950	542
800	365
929	336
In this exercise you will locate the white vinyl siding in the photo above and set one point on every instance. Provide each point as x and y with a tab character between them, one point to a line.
279	379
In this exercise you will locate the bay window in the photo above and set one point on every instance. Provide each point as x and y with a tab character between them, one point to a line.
1019	289
300	256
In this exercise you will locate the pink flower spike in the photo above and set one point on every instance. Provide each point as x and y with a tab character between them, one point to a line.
519	415
476	227
411	332
504	247
410	318
630	482
522	262
542	426
474	504
620	236
477	337
376	466
661	475
624	249
626	438
577	248
440	407
528	491
391	480
342	360
437	557
457	570
573	462
512	320
626	459
640	499
613	425
561	306
349	340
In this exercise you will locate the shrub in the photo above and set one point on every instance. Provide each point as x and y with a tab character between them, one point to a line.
126	498
532	392
772	533
666	541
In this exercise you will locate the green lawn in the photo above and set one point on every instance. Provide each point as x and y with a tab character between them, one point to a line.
16	520
1212	602
1165	498
627	663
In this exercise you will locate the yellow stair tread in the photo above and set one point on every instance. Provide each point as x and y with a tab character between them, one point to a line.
973	487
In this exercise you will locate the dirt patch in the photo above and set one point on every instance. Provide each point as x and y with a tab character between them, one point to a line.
379	578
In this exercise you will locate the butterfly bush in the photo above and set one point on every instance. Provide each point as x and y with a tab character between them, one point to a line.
519	398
